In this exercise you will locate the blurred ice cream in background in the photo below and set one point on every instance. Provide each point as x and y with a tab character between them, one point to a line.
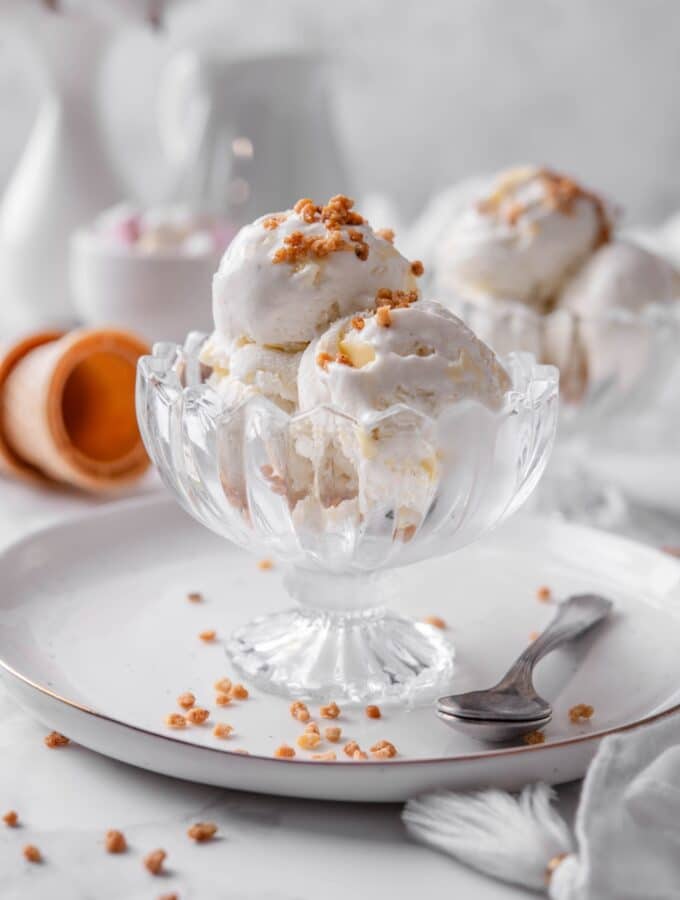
537	262
522	237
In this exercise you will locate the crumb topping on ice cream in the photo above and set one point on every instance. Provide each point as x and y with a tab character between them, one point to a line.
288	275
417	354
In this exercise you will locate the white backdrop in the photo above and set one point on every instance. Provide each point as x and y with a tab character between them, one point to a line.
428	92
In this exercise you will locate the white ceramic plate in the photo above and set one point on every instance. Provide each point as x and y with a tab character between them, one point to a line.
97	639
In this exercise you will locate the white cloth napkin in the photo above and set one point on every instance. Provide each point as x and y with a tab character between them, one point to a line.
627	828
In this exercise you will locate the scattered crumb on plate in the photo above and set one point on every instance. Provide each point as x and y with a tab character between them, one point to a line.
175	720
202	831
32	854
283	751
198	715
582	712
299	711
383	750
115	841
332	734
222	730
54	739
153	861
308	740
330	710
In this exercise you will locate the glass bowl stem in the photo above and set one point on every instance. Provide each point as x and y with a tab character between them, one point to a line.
342	643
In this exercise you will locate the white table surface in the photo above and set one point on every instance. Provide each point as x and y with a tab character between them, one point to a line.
270	848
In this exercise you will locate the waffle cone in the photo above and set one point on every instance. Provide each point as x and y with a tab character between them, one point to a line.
67	409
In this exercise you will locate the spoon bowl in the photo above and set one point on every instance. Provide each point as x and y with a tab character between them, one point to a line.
512	707
507	704
494	732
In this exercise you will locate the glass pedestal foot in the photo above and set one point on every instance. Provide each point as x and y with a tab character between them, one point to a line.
350	656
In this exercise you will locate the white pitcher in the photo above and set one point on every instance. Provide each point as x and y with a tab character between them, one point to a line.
65	175
249	136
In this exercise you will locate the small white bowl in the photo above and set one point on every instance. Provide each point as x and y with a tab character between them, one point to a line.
160	296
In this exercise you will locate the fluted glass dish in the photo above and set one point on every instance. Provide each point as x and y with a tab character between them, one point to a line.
614	367
338	503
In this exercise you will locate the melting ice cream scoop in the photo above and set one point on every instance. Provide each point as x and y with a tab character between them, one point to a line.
417	353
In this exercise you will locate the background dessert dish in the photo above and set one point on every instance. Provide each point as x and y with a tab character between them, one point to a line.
522	237
147	269
535	262
172	229
339	423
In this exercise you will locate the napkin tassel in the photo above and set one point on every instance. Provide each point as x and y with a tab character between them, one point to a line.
519	839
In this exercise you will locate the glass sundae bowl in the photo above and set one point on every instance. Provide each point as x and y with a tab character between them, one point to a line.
338	503
614	367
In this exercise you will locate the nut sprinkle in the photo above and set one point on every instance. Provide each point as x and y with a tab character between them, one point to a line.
335	215
54	739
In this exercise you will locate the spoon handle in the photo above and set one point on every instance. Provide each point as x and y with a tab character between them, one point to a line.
573	617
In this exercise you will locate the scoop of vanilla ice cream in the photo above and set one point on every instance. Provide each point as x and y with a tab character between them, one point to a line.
620	275
288	275
419	354
242	368
522	237
663	239
365	366
587	327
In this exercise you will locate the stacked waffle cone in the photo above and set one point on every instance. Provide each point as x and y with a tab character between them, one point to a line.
67	409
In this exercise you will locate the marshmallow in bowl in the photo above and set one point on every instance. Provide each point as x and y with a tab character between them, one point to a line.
418	354
523	237
286	277
170	229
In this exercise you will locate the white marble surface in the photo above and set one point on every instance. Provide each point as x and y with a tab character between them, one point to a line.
268	847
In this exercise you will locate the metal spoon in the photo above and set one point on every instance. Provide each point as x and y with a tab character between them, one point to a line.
513	707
